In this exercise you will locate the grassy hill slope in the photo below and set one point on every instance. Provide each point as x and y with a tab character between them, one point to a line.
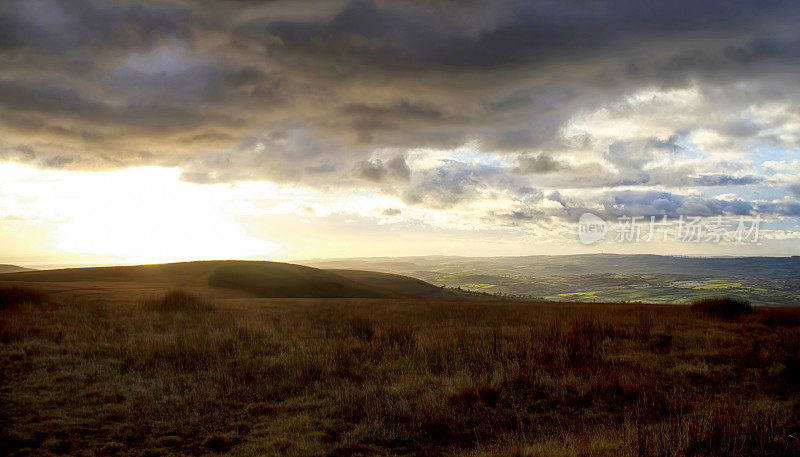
250	278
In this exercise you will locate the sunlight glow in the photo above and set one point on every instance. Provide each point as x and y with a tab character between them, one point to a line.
137	215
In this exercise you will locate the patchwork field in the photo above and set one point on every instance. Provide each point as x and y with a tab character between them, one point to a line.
349	377
615	287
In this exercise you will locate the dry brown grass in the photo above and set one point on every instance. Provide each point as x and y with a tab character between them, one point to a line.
394	377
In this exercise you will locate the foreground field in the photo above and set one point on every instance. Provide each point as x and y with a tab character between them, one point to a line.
396	377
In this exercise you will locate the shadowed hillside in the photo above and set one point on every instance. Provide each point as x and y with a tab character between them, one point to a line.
283	280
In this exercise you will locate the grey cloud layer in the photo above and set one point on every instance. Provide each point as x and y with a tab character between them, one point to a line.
336	94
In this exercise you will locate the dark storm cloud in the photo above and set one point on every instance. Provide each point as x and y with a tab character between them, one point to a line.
57	26
524	31
50	104
720	63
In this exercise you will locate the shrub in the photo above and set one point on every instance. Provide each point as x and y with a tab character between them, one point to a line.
16	295
725	307
177	301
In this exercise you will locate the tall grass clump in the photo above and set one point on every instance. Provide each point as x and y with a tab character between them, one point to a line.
177	301
725	307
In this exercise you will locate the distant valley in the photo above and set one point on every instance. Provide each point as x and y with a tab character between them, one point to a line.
772	281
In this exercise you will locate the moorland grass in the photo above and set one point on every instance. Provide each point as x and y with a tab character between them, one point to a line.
395	377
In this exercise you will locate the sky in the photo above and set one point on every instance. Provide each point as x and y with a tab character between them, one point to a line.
164	130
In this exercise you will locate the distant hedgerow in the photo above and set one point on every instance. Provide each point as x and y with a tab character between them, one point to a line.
725	307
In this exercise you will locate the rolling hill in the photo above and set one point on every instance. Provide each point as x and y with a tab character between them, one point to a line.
233	279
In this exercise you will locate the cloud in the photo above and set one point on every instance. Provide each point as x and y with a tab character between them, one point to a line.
450	184
538	164
782	207
721	179
376	170
512	111
635	154
168	73
290	154
656	203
